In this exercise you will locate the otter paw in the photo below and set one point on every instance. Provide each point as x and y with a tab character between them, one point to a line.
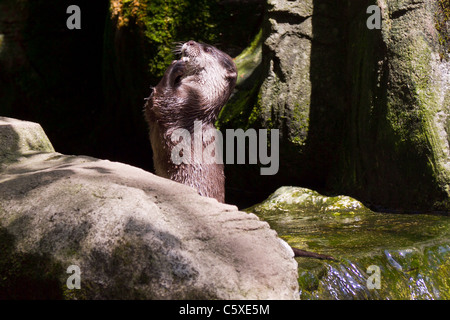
179	67
177	72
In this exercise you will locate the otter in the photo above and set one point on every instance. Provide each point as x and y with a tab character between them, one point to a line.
193	88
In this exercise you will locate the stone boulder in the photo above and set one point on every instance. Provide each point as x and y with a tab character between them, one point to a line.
132	235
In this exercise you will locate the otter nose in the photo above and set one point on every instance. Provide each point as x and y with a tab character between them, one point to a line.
186	45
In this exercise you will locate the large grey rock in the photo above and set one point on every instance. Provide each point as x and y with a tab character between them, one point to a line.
132	234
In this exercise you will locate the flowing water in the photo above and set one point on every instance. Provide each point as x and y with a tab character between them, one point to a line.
378	255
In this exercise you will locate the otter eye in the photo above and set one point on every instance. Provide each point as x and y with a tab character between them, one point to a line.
207	50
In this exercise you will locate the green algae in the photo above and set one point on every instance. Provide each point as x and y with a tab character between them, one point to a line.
243	108
442	18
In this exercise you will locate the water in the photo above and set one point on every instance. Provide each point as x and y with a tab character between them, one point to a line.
412	252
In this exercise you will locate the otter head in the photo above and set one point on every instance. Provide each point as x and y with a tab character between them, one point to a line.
210	69
206	59
195	87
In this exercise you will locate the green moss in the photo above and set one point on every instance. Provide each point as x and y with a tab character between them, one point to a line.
164	23
298	199
300	117
243	108
249	59
442	26
235	113
412	117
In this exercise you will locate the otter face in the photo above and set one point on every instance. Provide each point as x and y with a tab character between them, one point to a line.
195	87
208	63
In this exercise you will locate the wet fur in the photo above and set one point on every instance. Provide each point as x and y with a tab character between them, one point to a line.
194	88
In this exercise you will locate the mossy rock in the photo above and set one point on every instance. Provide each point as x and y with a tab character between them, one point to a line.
361	111
303	199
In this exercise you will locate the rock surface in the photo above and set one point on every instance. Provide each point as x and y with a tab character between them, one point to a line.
410	253
132	234
363	112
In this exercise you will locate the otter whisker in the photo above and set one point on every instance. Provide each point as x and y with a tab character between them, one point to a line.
177	47
177	43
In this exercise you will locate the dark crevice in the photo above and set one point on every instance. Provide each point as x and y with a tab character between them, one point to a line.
401	12
287	17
